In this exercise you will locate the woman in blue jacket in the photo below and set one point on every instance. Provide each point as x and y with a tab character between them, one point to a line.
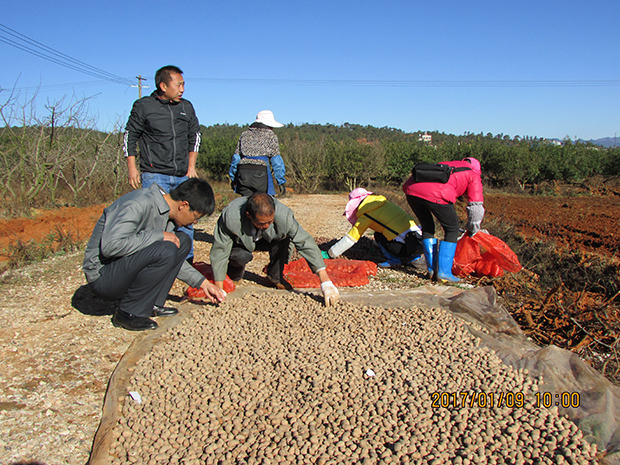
257	153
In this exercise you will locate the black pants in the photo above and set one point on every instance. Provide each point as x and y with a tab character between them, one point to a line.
278	257
144	278
445	214
251	178
412	245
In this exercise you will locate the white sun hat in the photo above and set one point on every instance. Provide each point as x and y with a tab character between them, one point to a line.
266	117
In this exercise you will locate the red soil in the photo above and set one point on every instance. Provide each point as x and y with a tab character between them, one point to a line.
588	223
76	222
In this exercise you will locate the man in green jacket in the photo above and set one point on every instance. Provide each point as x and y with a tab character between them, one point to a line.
260	222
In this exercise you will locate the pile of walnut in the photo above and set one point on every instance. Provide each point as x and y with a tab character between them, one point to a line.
281	378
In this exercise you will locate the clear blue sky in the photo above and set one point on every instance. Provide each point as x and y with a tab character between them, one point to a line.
306	61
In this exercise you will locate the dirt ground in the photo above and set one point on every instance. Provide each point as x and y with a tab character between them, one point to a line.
59	348
586	223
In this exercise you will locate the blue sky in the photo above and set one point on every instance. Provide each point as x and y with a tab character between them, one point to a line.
439	66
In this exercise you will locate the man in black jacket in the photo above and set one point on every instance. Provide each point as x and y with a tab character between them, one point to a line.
165	129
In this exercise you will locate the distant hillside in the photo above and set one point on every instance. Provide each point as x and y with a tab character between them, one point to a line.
606	142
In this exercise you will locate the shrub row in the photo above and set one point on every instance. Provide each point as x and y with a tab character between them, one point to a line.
330	157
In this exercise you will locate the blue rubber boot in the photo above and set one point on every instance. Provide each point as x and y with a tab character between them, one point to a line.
445	258
429	254
392	260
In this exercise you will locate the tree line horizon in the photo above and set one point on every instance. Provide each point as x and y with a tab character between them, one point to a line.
338	157
62	159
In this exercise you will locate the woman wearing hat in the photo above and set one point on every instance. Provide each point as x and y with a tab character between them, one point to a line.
257	153
435	199
396	233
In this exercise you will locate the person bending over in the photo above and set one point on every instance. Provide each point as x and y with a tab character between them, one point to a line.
435	199
396	233
260	222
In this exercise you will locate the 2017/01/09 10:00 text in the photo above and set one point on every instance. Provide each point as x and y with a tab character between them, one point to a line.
503	399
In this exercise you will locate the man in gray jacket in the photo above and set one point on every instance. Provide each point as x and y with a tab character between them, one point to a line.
260	222
136	252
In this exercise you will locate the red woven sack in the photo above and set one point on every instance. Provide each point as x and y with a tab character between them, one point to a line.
343	273
196	293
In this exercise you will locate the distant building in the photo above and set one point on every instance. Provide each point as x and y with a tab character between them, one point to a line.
426	138
555	142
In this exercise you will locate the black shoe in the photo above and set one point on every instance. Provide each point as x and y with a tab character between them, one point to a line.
235	273
276	284
164	311
131	322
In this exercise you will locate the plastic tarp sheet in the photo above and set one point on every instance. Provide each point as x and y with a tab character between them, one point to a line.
560	370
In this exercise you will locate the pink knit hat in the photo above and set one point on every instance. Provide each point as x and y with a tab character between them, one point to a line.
475	164
356	196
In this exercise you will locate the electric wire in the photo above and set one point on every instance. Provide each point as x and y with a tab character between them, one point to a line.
404	83
43	51
25	43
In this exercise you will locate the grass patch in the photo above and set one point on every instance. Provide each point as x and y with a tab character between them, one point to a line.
59	242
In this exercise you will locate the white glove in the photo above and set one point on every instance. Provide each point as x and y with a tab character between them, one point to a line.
330	293
401	237
341	246
475	213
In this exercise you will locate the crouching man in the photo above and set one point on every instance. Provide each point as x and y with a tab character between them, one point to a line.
260	222
136	252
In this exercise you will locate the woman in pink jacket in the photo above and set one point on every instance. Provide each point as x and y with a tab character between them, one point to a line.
428	199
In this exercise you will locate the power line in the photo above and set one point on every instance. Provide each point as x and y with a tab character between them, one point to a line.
25	43
389	83
52	87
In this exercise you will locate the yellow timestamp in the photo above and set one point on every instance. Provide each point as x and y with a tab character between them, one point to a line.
557	399
477	399
503	399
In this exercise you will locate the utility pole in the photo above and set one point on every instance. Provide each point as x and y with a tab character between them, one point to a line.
139	86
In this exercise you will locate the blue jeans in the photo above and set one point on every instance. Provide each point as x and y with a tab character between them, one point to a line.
167	183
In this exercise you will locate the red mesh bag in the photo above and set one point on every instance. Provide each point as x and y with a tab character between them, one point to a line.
505	257
466	256
483	255
488	266
343	273
196	293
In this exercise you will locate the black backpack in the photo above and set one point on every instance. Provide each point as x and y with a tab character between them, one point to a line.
434	172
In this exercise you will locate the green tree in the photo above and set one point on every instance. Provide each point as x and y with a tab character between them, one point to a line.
215	155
